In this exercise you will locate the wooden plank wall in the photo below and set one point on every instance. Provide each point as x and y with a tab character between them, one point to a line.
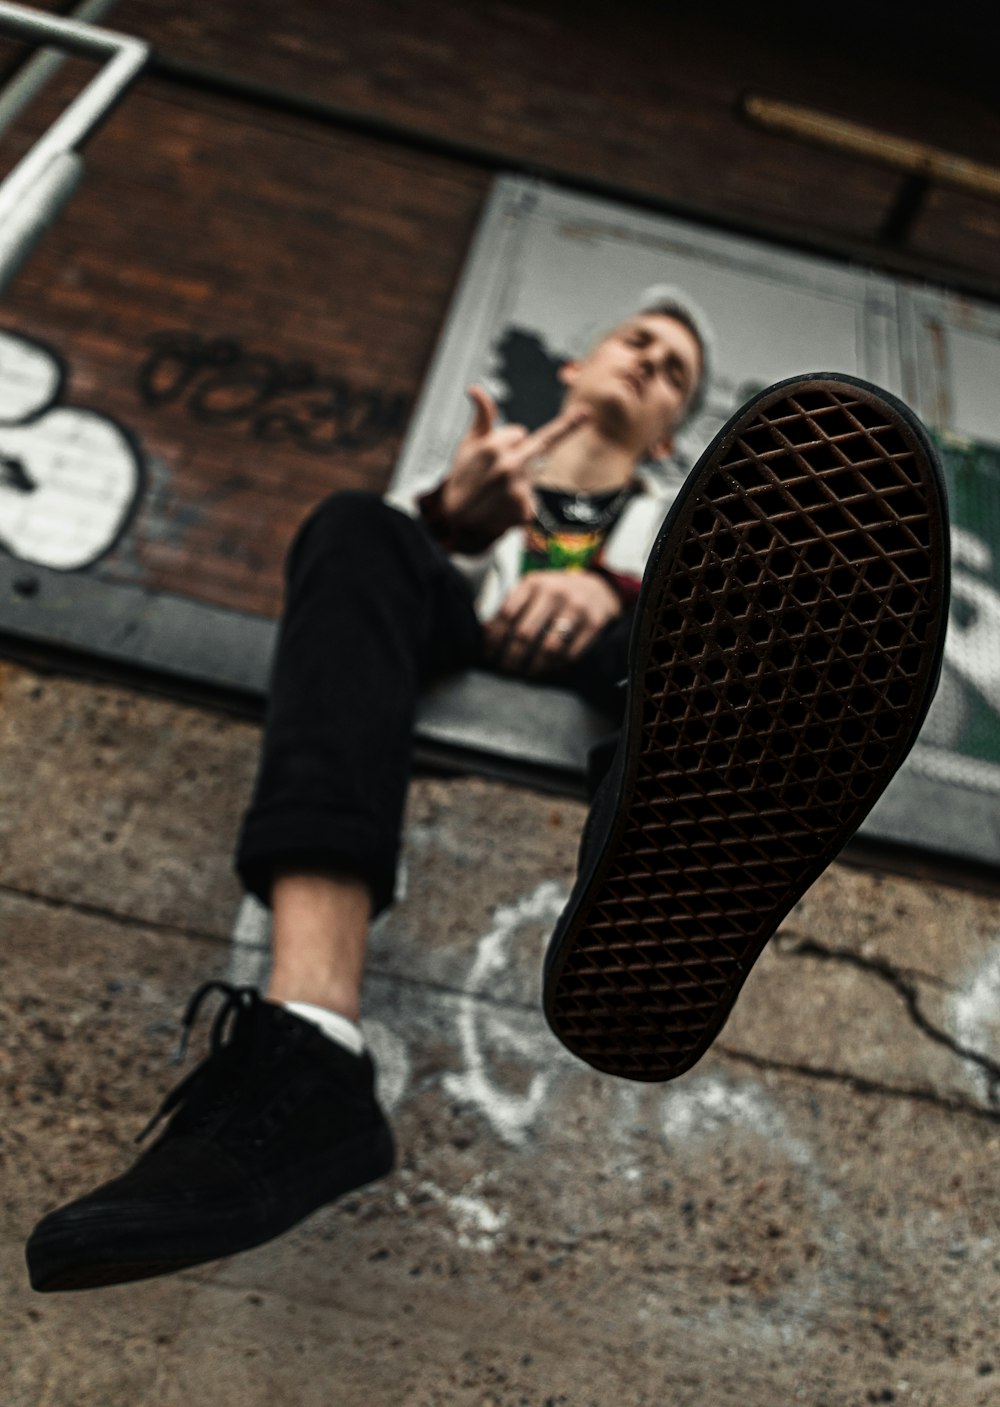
255	294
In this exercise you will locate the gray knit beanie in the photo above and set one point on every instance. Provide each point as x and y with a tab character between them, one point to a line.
671	302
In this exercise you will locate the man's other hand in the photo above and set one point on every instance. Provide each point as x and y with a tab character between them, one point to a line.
488	488
548	620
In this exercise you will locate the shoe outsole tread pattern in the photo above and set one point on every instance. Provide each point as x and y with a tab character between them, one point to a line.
787	643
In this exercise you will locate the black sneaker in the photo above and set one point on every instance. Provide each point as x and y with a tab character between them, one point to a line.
275	1122
786	646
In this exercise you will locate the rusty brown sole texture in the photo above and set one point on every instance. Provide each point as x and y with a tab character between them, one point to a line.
787	644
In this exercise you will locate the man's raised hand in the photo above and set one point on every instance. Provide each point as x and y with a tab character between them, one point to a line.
489	486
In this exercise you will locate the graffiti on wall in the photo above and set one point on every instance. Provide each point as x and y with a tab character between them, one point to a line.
218	381
70	478
965	717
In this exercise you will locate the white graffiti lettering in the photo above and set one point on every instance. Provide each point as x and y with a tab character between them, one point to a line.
69	478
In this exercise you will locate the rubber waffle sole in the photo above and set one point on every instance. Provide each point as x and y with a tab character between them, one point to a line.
786	647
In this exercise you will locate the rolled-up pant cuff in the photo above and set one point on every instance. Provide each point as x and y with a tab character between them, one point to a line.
316	839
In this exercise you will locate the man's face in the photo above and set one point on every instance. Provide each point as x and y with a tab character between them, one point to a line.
638	381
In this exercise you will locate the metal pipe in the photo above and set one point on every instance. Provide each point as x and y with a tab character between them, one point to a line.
38	25
26	224
869	143
73	125
33	75
35	190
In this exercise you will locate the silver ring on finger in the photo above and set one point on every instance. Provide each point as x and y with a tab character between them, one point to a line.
563	627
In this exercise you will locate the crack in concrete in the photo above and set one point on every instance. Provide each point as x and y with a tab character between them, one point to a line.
905	988
123	920
791	945
197	935
860	1084
786	940
447	989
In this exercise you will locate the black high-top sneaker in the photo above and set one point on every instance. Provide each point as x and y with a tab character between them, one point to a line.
786	647
275	1122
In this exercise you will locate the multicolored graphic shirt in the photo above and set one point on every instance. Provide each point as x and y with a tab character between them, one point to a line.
570	529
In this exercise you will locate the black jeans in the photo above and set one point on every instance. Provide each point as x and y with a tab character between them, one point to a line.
374	610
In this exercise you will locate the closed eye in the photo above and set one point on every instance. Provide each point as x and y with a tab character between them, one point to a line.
676	372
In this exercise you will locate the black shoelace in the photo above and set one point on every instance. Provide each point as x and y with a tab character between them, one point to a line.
230	1027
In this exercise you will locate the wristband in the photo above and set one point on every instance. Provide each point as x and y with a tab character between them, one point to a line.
626	588
431	508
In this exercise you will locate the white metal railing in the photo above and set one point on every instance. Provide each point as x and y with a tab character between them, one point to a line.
34	192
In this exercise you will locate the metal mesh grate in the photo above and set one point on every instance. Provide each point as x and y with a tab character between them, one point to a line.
785	656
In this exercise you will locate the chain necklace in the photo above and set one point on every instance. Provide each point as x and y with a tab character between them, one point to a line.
580	508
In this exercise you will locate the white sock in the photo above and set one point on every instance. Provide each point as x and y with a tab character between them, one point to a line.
339	1028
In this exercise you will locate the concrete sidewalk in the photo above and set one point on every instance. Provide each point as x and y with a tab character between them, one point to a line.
809	1215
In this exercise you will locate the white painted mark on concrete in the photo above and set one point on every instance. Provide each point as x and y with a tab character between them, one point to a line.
476	1225
402	889
485	1029
710	1105
250	944
392	1062
975	1020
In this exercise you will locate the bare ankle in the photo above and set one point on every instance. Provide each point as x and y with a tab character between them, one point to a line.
331	995
319	935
